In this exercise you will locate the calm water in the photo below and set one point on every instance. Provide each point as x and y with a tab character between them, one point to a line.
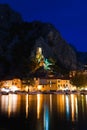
43	112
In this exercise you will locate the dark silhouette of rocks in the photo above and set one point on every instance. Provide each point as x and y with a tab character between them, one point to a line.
19	40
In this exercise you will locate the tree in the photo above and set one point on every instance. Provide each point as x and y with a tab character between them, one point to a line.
79	80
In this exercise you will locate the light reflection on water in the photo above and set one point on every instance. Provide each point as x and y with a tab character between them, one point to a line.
45	111
9	104
27	105
46	117
67	107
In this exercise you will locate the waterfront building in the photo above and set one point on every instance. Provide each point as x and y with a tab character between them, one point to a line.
53	84
12	84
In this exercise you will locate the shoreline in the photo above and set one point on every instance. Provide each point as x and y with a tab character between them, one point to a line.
45	92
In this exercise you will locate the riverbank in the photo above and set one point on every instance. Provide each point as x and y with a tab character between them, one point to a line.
45	92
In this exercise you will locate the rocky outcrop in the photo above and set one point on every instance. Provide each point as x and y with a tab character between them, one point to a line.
55	46
19	40
8	16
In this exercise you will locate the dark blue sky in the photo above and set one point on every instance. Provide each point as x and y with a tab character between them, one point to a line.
68	16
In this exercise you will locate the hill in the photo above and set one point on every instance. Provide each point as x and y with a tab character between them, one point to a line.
19	41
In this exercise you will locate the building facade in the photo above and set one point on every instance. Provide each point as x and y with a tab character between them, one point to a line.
53	84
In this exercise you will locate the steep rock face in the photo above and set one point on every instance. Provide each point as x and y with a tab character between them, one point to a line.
19	40
55	46
8	16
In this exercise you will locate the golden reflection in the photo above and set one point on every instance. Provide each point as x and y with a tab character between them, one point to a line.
12	105
39	104
4	103
50	102
9	104
86	99
74	107
26	105
60	103
83	105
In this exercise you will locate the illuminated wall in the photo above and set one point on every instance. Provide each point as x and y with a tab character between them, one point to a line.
10	83
53	84
42	60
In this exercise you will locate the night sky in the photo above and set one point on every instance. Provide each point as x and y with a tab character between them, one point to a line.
68	16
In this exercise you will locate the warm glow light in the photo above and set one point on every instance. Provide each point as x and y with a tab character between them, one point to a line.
60	103
38	106
14	88
40	50
82	88
39	87
4	103
86	88
82	103
27	88
76	107
61	88
5	90
13	102
73	88
9	104
72	107
26	105
50	103
86	101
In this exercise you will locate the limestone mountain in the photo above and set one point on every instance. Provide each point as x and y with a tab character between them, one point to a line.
19	41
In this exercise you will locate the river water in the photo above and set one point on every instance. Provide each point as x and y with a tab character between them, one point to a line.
43	112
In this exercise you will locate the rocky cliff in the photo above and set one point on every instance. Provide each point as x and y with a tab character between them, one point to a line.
19	40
